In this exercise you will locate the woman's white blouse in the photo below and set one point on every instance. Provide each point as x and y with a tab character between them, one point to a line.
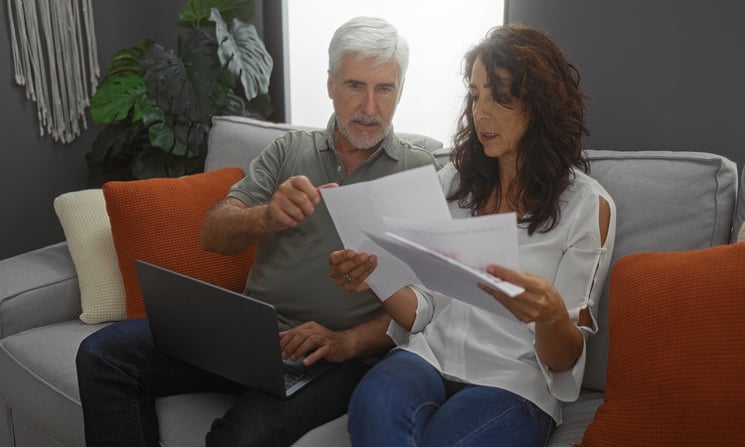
472	345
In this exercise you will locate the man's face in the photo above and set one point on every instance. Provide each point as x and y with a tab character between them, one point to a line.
365	97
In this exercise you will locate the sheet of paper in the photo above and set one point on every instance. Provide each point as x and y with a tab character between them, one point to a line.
476	241
447	274
413	194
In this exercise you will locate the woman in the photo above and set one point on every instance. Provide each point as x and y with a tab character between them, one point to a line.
464	376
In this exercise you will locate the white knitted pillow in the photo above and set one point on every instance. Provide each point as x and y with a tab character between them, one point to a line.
88	232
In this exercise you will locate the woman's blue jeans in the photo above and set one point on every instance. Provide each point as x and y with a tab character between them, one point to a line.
121	373
404	401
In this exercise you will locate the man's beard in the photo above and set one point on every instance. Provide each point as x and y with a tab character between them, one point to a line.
364	142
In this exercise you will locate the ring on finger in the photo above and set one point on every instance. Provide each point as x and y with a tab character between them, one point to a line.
347	278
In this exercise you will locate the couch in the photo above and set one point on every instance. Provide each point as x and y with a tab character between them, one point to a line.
667	201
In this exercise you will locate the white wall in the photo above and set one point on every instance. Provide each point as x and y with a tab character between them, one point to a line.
439	34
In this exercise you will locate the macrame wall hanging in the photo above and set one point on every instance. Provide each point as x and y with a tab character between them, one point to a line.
55	58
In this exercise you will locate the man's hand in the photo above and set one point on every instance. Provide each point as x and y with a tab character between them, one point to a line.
315	342
295	200
350	269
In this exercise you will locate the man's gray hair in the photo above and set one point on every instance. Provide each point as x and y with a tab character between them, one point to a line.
369	37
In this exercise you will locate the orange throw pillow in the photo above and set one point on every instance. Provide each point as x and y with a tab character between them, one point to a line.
676	357
159	220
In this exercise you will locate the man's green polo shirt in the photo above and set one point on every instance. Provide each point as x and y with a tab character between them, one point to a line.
291	269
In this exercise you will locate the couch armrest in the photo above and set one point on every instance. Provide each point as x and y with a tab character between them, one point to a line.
37	288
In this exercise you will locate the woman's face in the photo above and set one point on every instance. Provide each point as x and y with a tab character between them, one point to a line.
499	127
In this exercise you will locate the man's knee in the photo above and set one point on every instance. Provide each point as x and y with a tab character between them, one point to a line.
89	353
257	431
110	343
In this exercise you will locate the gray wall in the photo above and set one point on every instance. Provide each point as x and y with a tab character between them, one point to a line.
661	74
34	169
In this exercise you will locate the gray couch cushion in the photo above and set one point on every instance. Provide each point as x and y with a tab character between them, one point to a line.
27	282
5	425
332	433
185	419
739	218
26	434
40	363
666	201
235	140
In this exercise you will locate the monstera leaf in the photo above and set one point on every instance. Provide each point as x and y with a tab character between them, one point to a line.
126	61
159	129
244	54
175	147
116	97
113	151
198	11
153	162
192	84
122	89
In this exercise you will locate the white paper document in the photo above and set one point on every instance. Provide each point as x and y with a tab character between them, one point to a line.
412	194
404	220
476	241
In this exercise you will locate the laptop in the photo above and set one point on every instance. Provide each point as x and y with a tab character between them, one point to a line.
221	331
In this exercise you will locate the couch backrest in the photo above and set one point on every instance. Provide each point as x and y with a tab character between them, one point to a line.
665	201
739	219
236	140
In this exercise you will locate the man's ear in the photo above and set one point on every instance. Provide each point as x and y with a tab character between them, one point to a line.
330	85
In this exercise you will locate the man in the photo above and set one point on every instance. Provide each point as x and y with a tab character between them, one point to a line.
277	205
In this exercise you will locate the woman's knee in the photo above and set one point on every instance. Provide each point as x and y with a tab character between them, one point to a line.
398	384
367	396
394	400
478	415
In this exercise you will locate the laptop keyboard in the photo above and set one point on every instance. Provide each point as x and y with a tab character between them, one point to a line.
293	375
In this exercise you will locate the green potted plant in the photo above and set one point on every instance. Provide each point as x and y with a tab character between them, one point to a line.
158	103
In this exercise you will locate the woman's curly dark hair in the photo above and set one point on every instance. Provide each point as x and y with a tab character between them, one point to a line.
548	86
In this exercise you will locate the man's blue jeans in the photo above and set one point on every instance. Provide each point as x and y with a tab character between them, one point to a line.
404	401
120	373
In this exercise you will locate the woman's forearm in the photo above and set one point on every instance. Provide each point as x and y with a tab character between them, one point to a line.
558	344
401	306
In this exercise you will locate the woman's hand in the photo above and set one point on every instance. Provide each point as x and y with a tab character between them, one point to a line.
350	269
540	302
558	341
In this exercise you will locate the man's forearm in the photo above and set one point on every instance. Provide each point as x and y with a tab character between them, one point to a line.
231	227
370	337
